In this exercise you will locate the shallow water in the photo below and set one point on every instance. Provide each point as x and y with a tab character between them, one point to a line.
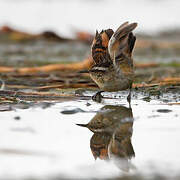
46	143
41	140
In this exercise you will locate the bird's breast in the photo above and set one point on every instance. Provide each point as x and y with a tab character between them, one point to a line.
112	80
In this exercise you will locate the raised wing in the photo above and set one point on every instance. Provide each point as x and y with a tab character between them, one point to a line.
99	47
122	41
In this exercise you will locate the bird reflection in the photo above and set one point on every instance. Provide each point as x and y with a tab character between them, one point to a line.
112	128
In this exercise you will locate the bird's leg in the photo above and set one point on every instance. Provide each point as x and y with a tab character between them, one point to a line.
129	97
97	97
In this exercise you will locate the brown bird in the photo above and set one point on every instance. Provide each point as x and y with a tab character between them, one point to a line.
120	148
99	143
112	127
113	63
108	119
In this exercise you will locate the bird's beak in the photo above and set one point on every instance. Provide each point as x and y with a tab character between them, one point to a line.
82	125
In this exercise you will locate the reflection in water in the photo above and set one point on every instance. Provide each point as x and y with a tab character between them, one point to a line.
112	128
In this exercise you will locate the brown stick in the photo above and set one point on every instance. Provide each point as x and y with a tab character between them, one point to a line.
163	83
144	85
86	64
146	65
52	67
170	79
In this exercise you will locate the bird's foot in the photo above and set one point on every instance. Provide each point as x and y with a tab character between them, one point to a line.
97	97
129	98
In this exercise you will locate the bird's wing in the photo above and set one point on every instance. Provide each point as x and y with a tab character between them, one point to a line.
99	47
122	41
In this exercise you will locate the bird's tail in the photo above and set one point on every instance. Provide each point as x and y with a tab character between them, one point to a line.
99	47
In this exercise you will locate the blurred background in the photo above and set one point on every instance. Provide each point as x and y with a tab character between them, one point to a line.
158	28
63	16
43	46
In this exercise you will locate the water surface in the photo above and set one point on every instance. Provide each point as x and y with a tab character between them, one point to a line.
45	143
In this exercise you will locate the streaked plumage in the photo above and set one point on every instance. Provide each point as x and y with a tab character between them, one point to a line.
112	55
112	127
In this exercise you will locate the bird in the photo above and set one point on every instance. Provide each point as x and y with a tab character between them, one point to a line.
113	68
99	144
108	118
112	129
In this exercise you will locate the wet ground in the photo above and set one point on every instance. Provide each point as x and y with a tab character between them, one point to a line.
43	141
39	113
